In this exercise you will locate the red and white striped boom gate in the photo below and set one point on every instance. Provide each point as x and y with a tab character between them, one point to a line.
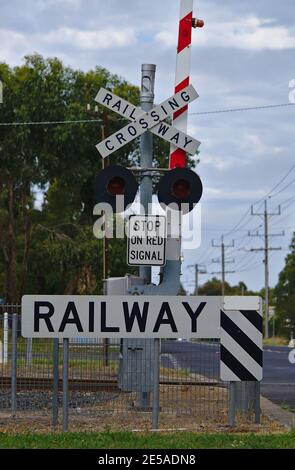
182	78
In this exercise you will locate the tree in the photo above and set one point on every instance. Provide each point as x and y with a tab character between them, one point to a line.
284	294
213	287
40	157
61	161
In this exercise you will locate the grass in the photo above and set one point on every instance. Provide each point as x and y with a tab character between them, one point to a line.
276	341
288	407
126	440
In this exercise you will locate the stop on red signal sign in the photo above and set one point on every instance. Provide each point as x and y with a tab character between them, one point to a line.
147	240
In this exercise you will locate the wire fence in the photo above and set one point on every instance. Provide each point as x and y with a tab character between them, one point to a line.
110	382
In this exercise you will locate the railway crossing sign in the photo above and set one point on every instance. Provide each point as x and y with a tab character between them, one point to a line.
147	240
153	121
235	320
120	316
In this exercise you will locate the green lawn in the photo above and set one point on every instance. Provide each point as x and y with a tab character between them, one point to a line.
125	440
276	341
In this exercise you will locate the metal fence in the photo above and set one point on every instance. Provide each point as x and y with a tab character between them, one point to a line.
33	383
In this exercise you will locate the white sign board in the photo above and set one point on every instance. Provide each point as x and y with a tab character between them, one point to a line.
72	316
147	240
142	121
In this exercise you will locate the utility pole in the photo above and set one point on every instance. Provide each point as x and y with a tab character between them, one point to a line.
105	164
266	250
105	247
223	261
199	269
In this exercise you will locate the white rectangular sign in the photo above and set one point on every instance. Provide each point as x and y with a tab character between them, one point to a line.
143	121
146	240
72	316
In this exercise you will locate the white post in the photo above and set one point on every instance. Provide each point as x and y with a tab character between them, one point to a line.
5	338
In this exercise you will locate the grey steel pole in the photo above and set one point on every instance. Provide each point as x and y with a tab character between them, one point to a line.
156	385
257	402
55	382
14	365
266	268
148	72
65	384
232	404
5	338
29	350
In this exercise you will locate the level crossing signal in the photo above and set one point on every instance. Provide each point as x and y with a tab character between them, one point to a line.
180	188
115	181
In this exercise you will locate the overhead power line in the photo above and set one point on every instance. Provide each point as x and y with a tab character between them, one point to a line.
48	123
87	121
250	108
283	189
244	219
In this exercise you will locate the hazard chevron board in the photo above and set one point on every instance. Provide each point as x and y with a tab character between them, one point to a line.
241	352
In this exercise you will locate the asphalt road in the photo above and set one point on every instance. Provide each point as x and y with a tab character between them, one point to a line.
278	376
203	358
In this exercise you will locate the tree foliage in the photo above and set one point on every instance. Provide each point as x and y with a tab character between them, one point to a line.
284	294
52	249
213	287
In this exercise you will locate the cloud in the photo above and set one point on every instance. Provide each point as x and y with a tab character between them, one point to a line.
91	40
45	4
248	33
14	45
223	194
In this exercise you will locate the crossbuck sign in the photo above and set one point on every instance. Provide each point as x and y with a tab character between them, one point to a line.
151	121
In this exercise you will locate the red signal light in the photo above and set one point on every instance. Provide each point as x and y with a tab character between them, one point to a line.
116	186
181	189
114	181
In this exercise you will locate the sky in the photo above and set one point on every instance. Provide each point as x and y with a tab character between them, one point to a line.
243	57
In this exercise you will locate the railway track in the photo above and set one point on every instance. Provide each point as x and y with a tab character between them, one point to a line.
91	385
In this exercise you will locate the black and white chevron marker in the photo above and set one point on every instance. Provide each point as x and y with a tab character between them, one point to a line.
241	354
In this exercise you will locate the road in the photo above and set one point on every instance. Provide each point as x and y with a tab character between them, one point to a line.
203	358
278	376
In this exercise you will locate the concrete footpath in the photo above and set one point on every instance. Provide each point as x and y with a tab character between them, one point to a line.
276	413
